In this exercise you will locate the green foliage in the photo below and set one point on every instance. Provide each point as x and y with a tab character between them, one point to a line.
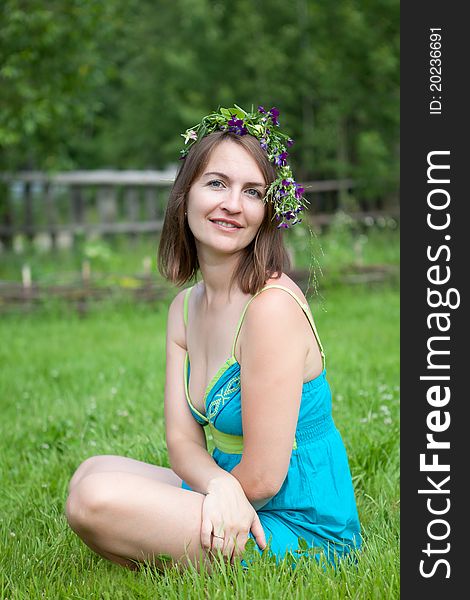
115	83
52	75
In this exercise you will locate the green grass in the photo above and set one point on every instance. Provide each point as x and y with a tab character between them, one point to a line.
345	243
73	387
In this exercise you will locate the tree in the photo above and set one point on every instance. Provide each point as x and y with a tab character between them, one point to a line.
97	84
52	74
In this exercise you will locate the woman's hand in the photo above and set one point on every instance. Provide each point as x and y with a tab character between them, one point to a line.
227	518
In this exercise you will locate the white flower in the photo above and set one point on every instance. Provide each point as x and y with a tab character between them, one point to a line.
189	135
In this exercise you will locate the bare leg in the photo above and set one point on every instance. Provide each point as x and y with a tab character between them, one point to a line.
132	517
110	464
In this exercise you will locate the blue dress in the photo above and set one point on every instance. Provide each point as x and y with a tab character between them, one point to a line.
316	501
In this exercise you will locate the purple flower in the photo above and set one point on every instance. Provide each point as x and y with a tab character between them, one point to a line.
274	112
283	226
286	182
299	190
237	126
290	142
289	215
281	159
261	110
263	144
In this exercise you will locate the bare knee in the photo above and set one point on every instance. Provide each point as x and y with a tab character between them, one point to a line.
86	468
89	501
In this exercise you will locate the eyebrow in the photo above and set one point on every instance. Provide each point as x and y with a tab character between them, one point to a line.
224	176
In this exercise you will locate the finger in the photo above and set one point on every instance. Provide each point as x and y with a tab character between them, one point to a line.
206	534
217	543
229	545
258	531
240	543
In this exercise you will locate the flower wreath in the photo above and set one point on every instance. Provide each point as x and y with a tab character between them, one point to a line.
285	194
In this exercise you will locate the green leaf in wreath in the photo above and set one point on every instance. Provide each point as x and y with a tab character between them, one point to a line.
240	111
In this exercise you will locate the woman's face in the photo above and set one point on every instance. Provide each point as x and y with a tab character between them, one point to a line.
225	203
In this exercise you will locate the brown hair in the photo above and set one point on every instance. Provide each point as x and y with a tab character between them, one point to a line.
264	257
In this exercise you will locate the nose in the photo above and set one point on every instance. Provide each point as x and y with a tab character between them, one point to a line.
232	200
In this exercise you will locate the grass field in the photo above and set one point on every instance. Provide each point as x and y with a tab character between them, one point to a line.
73	387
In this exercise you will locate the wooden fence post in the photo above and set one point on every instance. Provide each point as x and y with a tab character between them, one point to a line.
6	221
27	283
107	206
77	208
51	213
28	211
132	202
150	195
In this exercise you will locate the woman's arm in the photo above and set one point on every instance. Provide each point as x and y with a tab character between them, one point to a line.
226	510
185	438
273	358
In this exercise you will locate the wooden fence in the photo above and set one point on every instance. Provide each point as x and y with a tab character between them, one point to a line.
87	291
112	202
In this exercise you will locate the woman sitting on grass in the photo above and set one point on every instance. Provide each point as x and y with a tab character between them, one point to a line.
244	359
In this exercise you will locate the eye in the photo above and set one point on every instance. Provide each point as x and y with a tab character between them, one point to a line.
215	183
254	192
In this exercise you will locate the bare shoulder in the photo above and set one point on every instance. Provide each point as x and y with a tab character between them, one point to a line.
275	326
275	305
287	282
176	329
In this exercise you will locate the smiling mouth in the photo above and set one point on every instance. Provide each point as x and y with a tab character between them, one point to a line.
224	224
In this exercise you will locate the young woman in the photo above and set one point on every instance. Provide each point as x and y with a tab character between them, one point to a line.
243	359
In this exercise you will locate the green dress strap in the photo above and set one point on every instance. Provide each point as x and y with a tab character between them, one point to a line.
185	305
304	306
